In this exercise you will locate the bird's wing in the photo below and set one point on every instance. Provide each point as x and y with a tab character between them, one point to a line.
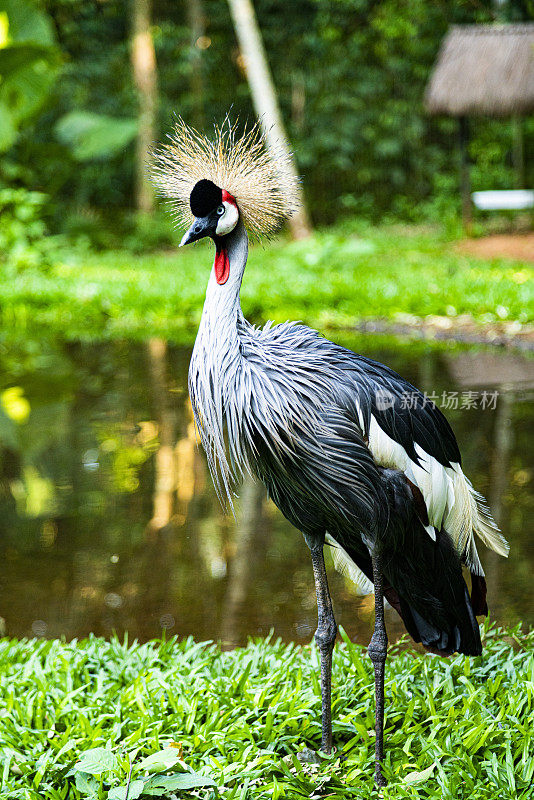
403	429
406	431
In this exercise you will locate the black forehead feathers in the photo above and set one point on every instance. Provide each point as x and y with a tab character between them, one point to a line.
204	197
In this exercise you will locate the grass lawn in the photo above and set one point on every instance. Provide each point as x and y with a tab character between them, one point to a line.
333	279
77	718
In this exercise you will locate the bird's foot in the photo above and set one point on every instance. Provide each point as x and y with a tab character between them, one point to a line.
308	756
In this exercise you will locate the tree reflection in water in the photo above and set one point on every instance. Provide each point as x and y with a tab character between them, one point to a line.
109	521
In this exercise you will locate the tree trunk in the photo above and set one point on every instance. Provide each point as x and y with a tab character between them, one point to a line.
518	152
499	480
264	97
164	467
195	17
145	78
241	564
465	175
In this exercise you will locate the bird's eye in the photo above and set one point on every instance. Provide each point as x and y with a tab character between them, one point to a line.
221	210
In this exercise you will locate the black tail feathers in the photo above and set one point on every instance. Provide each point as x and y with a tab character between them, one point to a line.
461	635
426	575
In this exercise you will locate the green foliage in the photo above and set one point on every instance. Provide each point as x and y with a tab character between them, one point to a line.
88	718
350	76
91	135
138	233
28	66
23	243
27	23
330	280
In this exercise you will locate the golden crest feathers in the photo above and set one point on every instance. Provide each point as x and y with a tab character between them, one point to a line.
259	179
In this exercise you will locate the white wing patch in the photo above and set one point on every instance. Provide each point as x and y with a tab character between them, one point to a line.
471	513
450	499
344	564
431	478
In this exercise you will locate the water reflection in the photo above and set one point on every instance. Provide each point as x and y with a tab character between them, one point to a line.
108	520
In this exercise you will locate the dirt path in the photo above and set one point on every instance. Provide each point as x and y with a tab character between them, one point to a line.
511	335
518	246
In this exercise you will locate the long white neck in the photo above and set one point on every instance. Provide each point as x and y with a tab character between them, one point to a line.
217	359
221	306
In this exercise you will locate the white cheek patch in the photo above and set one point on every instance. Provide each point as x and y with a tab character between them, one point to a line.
229	219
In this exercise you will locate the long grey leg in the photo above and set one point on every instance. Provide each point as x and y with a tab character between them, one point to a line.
377	652
325	636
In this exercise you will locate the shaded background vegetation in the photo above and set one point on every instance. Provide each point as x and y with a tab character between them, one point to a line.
350	76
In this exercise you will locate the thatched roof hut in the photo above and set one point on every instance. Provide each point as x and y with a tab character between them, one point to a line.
484	70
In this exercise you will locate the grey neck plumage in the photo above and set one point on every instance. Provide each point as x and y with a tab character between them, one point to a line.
223	301
216	363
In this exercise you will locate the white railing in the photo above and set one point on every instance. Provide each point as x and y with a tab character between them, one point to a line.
512	199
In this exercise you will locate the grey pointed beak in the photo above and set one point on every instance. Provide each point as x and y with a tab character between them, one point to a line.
201	227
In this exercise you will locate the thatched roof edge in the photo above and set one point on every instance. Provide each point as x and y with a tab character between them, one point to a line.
484	69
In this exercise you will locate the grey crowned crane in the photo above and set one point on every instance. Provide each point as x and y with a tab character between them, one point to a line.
328	432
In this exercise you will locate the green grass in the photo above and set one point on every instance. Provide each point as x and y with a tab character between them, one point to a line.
179	713
333	279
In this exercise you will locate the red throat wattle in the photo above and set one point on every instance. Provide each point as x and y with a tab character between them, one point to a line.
221	265
222	262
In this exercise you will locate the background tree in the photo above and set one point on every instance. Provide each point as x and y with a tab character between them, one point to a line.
29	62
349	77
264	96
199	42
145	79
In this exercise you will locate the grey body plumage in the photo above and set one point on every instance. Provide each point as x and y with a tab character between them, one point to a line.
294	410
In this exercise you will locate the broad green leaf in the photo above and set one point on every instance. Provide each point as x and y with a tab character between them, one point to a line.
85	783
4	28
26	90
96	761
17	56
133	791
162	760
159	785
419	777
27	23
188	780
8	131
90	135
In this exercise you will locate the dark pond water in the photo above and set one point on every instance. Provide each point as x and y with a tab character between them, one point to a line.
108	520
